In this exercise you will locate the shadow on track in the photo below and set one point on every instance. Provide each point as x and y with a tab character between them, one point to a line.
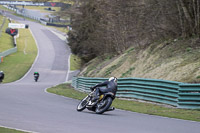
93	113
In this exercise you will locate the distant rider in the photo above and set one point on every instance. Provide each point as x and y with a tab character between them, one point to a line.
104	87
36	74
1	76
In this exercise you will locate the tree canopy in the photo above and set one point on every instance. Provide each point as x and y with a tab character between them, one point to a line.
111	26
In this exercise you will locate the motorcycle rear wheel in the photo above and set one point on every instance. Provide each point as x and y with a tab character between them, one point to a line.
82	105
102	109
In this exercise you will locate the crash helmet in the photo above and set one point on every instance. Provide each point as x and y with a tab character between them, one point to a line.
1	74
112	78
35	72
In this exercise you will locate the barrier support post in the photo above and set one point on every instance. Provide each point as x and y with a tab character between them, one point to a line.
1	58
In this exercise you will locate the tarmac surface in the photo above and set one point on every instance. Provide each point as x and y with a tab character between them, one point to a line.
25	104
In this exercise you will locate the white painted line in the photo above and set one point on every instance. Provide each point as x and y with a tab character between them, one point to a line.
122	109
25	46
68	71
58	35
59	95
18	129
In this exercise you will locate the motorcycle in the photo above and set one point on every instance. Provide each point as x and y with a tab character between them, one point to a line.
1	76
36	77
100	106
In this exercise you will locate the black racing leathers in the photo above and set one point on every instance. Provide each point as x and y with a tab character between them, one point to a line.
1	77
104	87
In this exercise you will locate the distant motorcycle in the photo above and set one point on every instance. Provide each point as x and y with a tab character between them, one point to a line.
1	76
36	76
100	106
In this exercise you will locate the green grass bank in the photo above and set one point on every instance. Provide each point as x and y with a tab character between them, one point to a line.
134	106
6	130
16	65
6	41
174	60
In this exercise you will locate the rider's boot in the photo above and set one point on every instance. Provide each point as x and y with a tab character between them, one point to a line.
96	97
111	109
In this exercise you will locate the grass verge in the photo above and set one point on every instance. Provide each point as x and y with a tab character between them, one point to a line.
6	130
3	8
134	106
17	64
75	62
6	41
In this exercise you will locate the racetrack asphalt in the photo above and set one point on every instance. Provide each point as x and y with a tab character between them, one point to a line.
26	105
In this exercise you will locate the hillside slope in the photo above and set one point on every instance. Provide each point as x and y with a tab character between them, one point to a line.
175	60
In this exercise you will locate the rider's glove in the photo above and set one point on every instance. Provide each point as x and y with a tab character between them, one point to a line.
91	88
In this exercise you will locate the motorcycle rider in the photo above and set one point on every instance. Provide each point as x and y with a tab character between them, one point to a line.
36	74
1	76
108	86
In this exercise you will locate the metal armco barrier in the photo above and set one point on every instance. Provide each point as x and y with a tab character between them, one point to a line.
30	3
189	96
162	91
8	52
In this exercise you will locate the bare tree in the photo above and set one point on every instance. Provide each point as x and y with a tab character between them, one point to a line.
112	26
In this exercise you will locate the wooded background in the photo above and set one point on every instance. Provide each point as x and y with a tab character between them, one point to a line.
111	26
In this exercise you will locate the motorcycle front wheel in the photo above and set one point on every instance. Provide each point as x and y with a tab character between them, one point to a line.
82	105
104	105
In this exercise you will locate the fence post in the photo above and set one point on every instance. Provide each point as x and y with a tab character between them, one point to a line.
1	58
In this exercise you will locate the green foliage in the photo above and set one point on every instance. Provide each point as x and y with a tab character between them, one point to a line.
75	62
89	69
198	77
127	73
110	69
6	130
108	57
166	59
80	38
189	49
113	67
130	50
102	27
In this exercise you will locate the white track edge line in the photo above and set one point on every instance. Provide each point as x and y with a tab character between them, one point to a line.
35	58
68	69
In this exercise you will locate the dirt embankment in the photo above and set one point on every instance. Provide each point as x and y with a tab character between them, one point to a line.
175	60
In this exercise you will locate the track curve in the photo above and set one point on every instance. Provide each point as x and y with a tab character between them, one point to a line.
25	104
